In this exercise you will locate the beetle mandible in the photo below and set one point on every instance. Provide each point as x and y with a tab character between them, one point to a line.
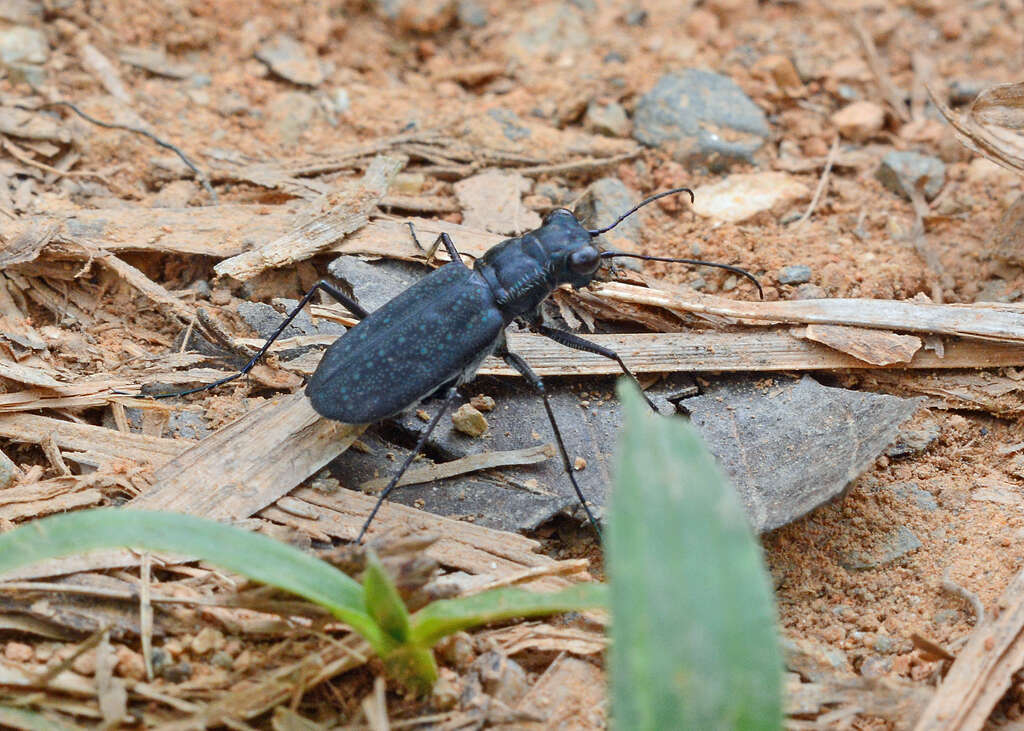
434	336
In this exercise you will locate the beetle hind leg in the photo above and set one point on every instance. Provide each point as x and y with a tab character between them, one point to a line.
420	443
350	304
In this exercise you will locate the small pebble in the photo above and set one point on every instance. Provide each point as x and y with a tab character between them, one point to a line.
480	402
902	171
178	673
859	121
579	464
469	421
422	415
222	659
796	274
130	664
207	639
18	652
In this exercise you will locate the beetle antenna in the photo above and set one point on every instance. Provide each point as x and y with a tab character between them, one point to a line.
696	262
638	206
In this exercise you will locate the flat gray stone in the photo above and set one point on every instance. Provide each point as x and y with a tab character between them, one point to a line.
792	446
894	545
604	201
520	497
702	118
290	60
373	285
902	171
910	492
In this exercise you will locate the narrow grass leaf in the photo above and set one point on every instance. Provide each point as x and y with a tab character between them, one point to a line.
383	601
694	641
250	554
444	617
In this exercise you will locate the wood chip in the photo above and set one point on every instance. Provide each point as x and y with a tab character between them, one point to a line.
338	214
983	669
871	346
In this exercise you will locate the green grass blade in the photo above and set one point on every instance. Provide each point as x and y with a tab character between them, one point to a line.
383	602
444	617
250	554
694	639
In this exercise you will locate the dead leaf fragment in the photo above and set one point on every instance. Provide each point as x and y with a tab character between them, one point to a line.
993	124
876	347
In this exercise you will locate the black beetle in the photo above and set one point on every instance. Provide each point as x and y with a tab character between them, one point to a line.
435	335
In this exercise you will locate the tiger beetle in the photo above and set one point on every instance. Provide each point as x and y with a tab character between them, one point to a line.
434	336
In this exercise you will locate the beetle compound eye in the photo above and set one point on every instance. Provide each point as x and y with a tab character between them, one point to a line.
585	260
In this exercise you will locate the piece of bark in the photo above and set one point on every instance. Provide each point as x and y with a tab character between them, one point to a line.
983	669
32	429
338	214
390	237
249	463
790	446
876	347
999	322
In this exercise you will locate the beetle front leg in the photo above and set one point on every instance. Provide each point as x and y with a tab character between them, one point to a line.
571	340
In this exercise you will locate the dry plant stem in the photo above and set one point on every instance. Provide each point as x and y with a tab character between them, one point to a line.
146	612
822	182
885	84
983	669
200	175
464	465
970	597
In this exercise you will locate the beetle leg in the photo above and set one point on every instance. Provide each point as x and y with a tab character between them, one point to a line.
393	482
442	238
571	340
516	361
350	304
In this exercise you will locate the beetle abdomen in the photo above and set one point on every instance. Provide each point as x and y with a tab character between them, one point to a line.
436	331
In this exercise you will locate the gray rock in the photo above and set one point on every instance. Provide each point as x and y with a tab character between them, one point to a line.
510	498
809	292
606	119
894	545
604	201
291	113
903	171
471	13
791	446
702	118
21	44
963	91
796	274
511	126
548	31
557	194
946	616
290	60
265	319
23	51
875	666
913	440
909	491
21	11
884	644
8	471
372	285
